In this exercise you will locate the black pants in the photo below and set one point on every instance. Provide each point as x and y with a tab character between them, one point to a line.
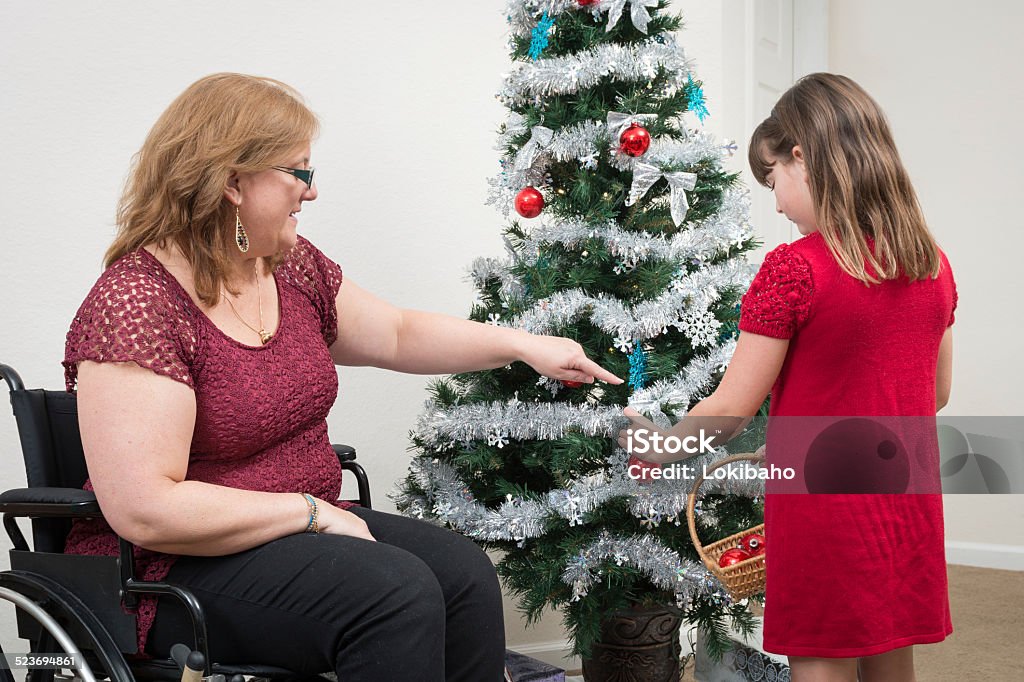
420	604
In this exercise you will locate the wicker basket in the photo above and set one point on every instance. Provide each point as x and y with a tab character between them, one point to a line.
740	580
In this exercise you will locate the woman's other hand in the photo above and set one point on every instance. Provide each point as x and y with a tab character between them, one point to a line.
340	522
563	359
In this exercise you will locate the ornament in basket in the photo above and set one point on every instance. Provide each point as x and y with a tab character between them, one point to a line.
745	576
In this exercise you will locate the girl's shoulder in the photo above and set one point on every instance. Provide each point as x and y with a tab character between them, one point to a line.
812	248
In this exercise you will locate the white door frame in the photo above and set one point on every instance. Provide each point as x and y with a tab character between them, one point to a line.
766	46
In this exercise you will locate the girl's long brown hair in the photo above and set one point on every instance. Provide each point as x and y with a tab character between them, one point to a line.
223	123
857	180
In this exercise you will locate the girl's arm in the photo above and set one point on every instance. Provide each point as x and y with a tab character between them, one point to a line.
751	373
944	370
373	332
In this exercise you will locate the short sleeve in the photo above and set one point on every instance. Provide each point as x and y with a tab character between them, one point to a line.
319	279
779	299
955	297
132	315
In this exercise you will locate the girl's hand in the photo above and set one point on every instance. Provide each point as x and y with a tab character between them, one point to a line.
563	359
637	422
340	522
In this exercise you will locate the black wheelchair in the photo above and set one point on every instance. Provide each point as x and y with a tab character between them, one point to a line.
82	605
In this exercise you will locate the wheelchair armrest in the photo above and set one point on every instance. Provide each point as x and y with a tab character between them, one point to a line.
345	453
49	502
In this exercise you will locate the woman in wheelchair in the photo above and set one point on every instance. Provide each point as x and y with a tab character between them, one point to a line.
204	362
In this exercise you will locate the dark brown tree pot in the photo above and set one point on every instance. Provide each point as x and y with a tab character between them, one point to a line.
637	645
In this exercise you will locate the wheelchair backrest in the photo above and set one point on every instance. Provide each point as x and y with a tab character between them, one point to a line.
52	448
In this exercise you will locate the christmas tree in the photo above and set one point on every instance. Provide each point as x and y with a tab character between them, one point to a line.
635	250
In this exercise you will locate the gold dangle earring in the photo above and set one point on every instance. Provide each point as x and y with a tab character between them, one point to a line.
241	238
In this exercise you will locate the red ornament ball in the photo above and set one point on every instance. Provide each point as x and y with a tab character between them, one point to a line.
572	384
753	544
585	3
529	202
635	140
642	472
733	556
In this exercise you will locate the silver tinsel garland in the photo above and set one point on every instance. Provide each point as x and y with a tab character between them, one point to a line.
690	293
518	520
517	420
572	73
551	421
692	383
729	227
666	569
449	500
523	14
705	241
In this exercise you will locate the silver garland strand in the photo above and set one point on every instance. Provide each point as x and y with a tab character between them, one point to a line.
729	227
517	520
666	569
551	421
523	14
709	239
693	382
690	293
515	419
569	74
450	502
671	154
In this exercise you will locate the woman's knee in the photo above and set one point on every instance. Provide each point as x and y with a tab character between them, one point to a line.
472	570
407	585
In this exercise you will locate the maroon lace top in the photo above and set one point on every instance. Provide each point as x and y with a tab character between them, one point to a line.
260	410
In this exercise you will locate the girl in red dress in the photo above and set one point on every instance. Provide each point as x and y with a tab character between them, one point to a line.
853	319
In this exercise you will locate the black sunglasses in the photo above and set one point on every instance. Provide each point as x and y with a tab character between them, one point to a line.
304	174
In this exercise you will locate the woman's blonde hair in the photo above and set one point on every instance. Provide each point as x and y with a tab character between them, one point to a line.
223	123
857	181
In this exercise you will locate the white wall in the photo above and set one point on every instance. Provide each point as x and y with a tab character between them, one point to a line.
406	101
948	76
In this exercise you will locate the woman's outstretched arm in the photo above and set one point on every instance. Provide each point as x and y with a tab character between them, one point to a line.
372	332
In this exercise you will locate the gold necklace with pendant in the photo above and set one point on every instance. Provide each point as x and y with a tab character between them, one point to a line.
264	335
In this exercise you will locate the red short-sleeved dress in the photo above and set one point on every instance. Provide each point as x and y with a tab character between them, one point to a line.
260	410
851	575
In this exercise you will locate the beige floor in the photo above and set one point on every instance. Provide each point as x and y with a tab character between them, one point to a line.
988	622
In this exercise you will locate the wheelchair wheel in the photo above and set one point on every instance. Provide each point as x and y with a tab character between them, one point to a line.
56	611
